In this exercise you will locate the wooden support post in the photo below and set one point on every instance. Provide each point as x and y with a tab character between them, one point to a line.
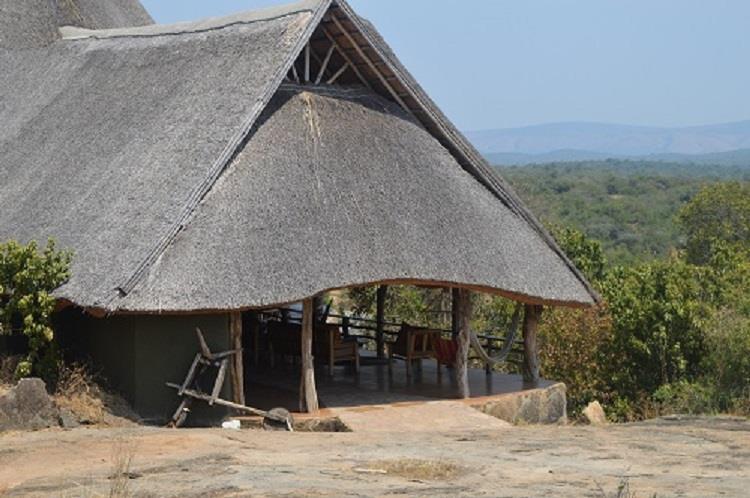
454	313
238	370
308	400
462	305
380	320
255	335
531	316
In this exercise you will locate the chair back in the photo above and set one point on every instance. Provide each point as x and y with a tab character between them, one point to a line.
422	340
445	350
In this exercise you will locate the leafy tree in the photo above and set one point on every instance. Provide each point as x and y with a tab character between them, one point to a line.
586	253
718	216
727	366
658	315
27	277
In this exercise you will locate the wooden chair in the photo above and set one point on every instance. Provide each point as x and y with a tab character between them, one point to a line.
330	345
412	343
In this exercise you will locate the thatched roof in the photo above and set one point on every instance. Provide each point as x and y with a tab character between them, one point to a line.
33	23
184	179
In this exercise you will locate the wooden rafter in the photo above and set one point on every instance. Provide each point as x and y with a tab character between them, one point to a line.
294	72
369	62
317	60
324	64
347	58
338	73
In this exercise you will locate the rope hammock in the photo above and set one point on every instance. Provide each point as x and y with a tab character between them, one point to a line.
510	338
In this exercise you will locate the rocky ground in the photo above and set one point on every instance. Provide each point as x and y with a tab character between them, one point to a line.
668	457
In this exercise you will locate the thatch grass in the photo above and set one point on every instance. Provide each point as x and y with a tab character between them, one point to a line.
123	453
623	490
78	392
417	469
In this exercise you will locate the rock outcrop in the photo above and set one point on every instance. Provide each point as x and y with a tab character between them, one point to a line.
594	414
535	406
27	406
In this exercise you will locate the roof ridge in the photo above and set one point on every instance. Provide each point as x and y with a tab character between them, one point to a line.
72	33
223	161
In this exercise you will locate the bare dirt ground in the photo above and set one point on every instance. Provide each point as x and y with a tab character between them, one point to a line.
681	457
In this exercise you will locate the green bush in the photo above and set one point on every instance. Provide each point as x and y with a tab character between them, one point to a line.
685	397
727	364
573	349
657	318
27	277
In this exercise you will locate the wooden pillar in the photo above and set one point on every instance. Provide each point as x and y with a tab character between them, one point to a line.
462	307
454	313
380	320
308	400
255	337
531	316
238	370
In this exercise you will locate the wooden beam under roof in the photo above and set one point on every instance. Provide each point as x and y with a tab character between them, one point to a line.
364	56
324	64
346	58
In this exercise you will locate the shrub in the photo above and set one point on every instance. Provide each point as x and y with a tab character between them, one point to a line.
27	277
572	349
727	363
657	318
685	397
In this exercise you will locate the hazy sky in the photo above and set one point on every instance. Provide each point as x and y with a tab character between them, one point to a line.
503	63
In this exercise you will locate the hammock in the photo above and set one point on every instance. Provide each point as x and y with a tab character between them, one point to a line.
510	338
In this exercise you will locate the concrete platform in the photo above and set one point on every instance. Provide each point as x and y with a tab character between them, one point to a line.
376	399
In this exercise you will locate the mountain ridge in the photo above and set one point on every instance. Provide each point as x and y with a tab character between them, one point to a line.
739	157
585	141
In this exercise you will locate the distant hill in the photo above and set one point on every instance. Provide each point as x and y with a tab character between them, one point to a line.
729	143
738	158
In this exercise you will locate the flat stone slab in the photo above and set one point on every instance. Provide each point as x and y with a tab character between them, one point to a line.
432	416
546	405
